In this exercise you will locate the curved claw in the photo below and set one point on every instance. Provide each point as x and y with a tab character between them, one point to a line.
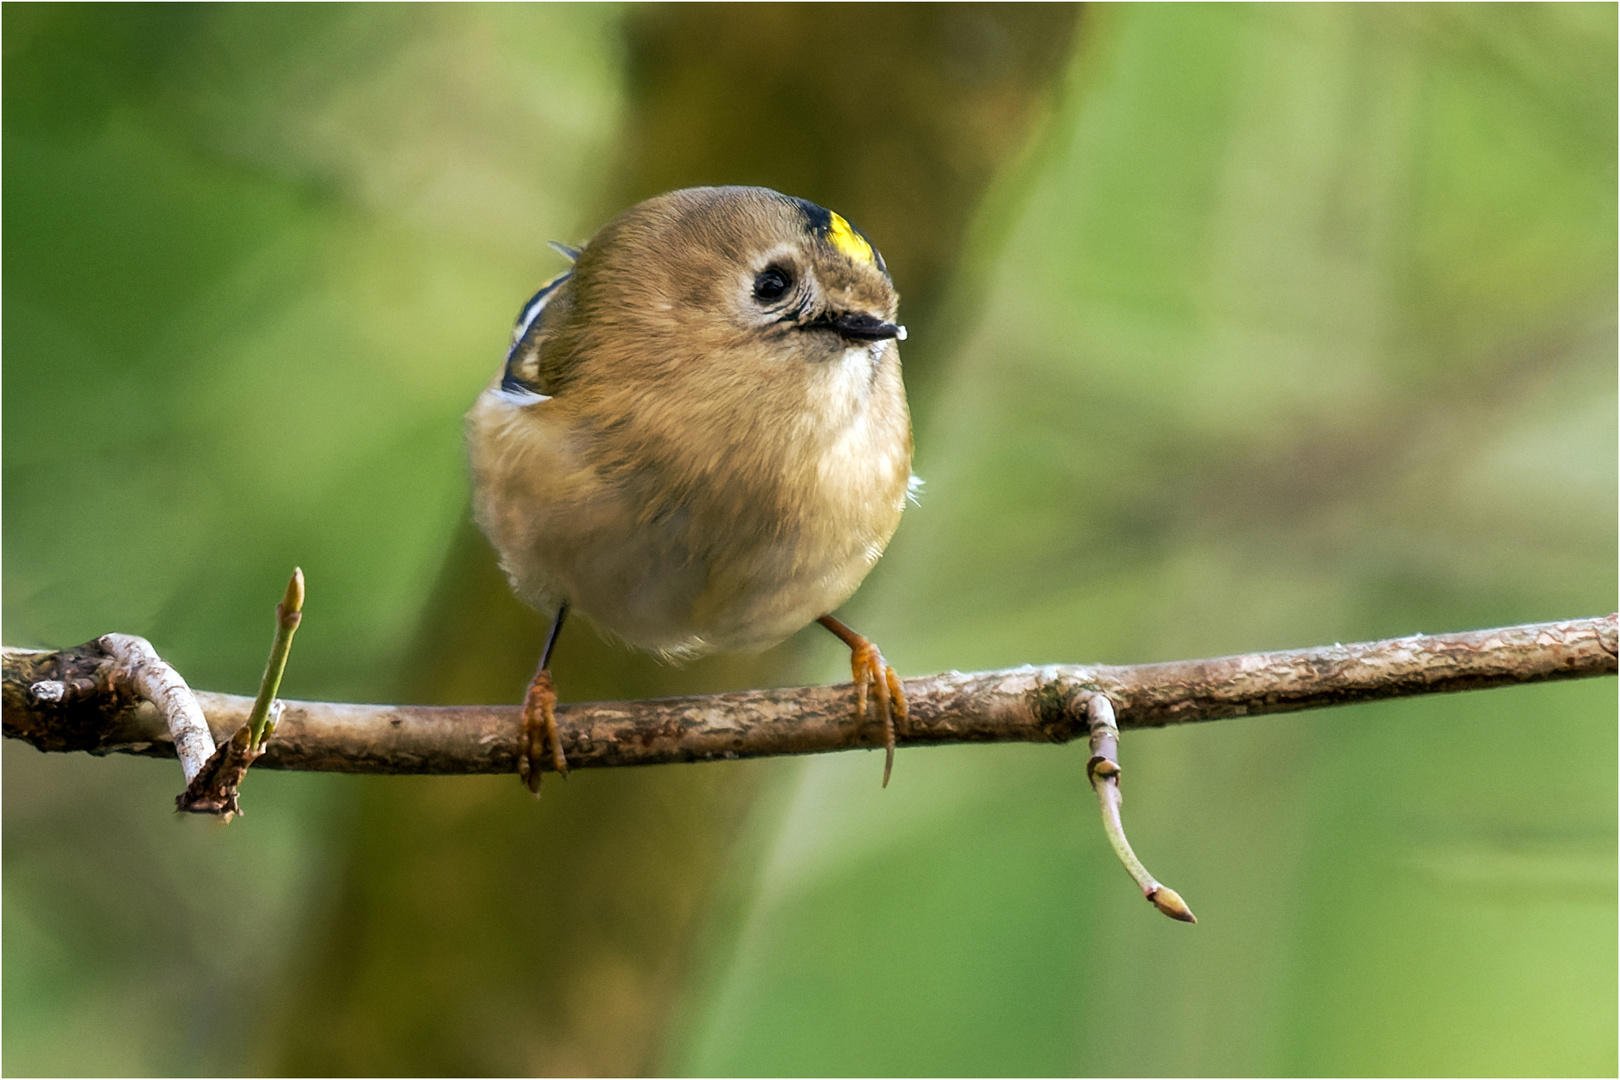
875	681
539	728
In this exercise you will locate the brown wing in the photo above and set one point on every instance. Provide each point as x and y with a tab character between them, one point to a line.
531	368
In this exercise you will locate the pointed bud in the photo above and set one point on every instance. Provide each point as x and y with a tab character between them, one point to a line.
293	602
1169	901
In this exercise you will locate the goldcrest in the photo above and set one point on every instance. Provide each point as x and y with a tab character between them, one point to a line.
700	437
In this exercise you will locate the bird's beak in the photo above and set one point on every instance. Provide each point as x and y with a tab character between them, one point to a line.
864	327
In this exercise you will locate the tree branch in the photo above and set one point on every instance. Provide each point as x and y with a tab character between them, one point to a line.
67	700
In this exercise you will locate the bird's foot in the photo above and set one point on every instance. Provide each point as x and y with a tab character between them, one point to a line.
878	683
540	728
875	682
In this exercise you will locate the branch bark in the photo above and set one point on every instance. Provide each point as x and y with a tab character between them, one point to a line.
66	700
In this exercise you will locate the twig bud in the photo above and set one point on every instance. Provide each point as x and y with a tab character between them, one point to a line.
1170	902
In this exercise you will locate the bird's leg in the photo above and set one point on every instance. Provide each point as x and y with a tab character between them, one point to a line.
540	717
874	678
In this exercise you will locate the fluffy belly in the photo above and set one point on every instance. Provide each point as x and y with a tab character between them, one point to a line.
729	548
657	590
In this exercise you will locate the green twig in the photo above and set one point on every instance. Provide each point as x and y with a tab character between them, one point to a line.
288	615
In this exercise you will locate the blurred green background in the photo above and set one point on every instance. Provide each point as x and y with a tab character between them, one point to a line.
1232	328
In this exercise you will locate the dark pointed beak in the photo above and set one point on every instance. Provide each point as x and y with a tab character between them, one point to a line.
864	327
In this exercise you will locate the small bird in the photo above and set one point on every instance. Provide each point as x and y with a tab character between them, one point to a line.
700	438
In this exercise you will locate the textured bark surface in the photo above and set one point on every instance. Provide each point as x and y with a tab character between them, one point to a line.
64	701
138	673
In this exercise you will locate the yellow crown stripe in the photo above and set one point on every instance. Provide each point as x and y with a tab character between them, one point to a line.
841	235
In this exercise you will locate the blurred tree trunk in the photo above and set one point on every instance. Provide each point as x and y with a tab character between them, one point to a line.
474	931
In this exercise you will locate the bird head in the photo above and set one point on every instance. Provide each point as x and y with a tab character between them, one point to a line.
707	274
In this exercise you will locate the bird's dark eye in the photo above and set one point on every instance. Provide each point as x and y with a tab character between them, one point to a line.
772	283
